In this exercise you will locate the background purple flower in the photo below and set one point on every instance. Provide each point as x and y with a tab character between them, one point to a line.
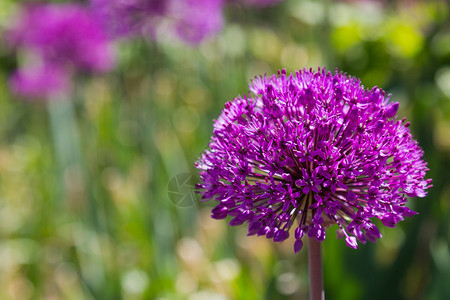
310	150
129	17
258	2
60	38
190	20
197	19
40	81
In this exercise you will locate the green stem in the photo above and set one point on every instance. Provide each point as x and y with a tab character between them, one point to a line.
65	136
316	291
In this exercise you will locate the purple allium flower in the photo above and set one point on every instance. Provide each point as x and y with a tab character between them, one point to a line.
196	20
59	38
63	34
129	17
310	150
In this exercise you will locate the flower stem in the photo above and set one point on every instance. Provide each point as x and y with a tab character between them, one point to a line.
316	291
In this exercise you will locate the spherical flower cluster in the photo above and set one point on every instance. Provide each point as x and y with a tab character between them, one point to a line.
57	41
310	150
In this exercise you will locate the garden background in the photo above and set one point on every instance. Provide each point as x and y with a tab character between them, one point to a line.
90	204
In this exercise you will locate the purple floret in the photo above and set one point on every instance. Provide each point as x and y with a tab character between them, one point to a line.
310	150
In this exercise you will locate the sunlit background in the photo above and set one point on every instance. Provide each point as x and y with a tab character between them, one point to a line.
85	211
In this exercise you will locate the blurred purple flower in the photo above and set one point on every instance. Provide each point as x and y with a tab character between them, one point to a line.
312	149
61	38
122	18
190	20
197	19
40	81
258	2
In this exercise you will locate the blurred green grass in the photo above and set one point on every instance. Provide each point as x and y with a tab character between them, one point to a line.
84	206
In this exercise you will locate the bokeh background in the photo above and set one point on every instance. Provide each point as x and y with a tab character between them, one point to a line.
90	204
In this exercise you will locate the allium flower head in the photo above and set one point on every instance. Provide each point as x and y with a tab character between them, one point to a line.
196	20
58	38
309	150
64	33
